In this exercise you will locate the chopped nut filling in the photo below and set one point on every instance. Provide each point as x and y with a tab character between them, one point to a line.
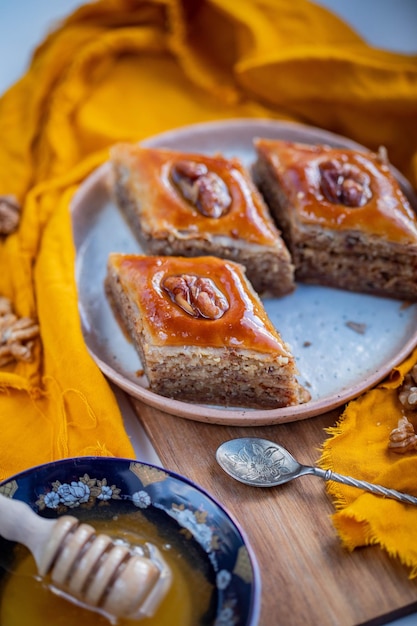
16	335
9	214
403	438
357	327
407	393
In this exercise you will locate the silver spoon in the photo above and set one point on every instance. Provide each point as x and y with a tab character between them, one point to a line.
262	463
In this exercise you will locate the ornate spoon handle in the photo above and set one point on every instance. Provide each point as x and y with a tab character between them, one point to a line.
363	484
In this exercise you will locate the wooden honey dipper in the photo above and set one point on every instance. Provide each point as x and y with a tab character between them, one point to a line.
101	573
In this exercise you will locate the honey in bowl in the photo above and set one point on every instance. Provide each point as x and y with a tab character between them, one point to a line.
215	575
25	598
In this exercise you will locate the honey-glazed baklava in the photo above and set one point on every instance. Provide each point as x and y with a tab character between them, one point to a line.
183	204
343	215
202	332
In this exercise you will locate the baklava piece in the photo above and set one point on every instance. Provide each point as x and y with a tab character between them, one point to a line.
183	204
201	331
343	216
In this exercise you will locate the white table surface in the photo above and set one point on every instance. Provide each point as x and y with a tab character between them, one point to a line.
387	24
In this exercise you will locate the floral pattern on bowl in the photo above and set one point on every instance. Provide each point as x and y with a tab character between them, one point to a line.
84	491
70	485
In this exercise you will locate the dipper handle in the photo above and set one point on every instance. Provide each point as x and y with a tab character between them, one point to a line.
102	574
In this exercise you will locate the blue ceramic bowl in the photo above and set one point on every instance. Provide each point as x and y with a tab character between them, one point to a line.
85	484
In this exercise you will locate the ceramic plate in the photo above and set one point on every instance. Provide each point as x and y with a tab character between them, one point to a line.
182	513
344	343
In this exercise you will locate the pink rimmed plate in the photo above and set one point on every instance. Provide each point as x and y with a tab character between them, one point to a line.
344	343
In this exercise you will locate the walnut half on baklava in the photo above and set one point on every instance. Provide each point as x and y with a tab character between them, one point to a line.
343	216
183	204
201	331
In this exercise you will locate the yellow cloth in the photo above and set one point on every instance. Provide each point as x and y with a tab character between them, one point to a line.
358	447
125	70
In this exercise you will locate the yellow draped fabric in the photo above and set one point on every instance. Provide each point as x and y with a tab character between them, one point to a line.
126	70
358	447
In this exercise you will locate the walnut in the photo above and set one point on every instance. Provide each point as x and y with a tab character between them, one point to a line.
16	335
197	296
403	438
205	190
9	214
407	393
344	183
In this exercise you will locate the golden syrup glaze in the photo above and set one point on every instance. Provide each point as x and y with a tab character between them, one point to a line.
164	210
244	325
387	214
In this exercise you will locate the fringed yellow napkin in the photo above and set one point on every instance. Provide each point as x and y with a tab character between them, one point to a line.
125	70
359	447
58	404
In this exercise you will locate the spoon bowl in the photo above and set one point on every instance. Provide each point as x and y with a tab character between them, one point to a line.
262	463
257	462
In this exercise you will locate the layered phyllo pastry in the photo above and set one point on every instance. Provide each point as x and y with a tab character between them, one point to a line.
343	215
201	331
183	204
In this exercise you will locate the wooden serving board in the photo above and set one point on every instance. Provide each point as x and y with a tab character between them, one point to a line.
308	578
